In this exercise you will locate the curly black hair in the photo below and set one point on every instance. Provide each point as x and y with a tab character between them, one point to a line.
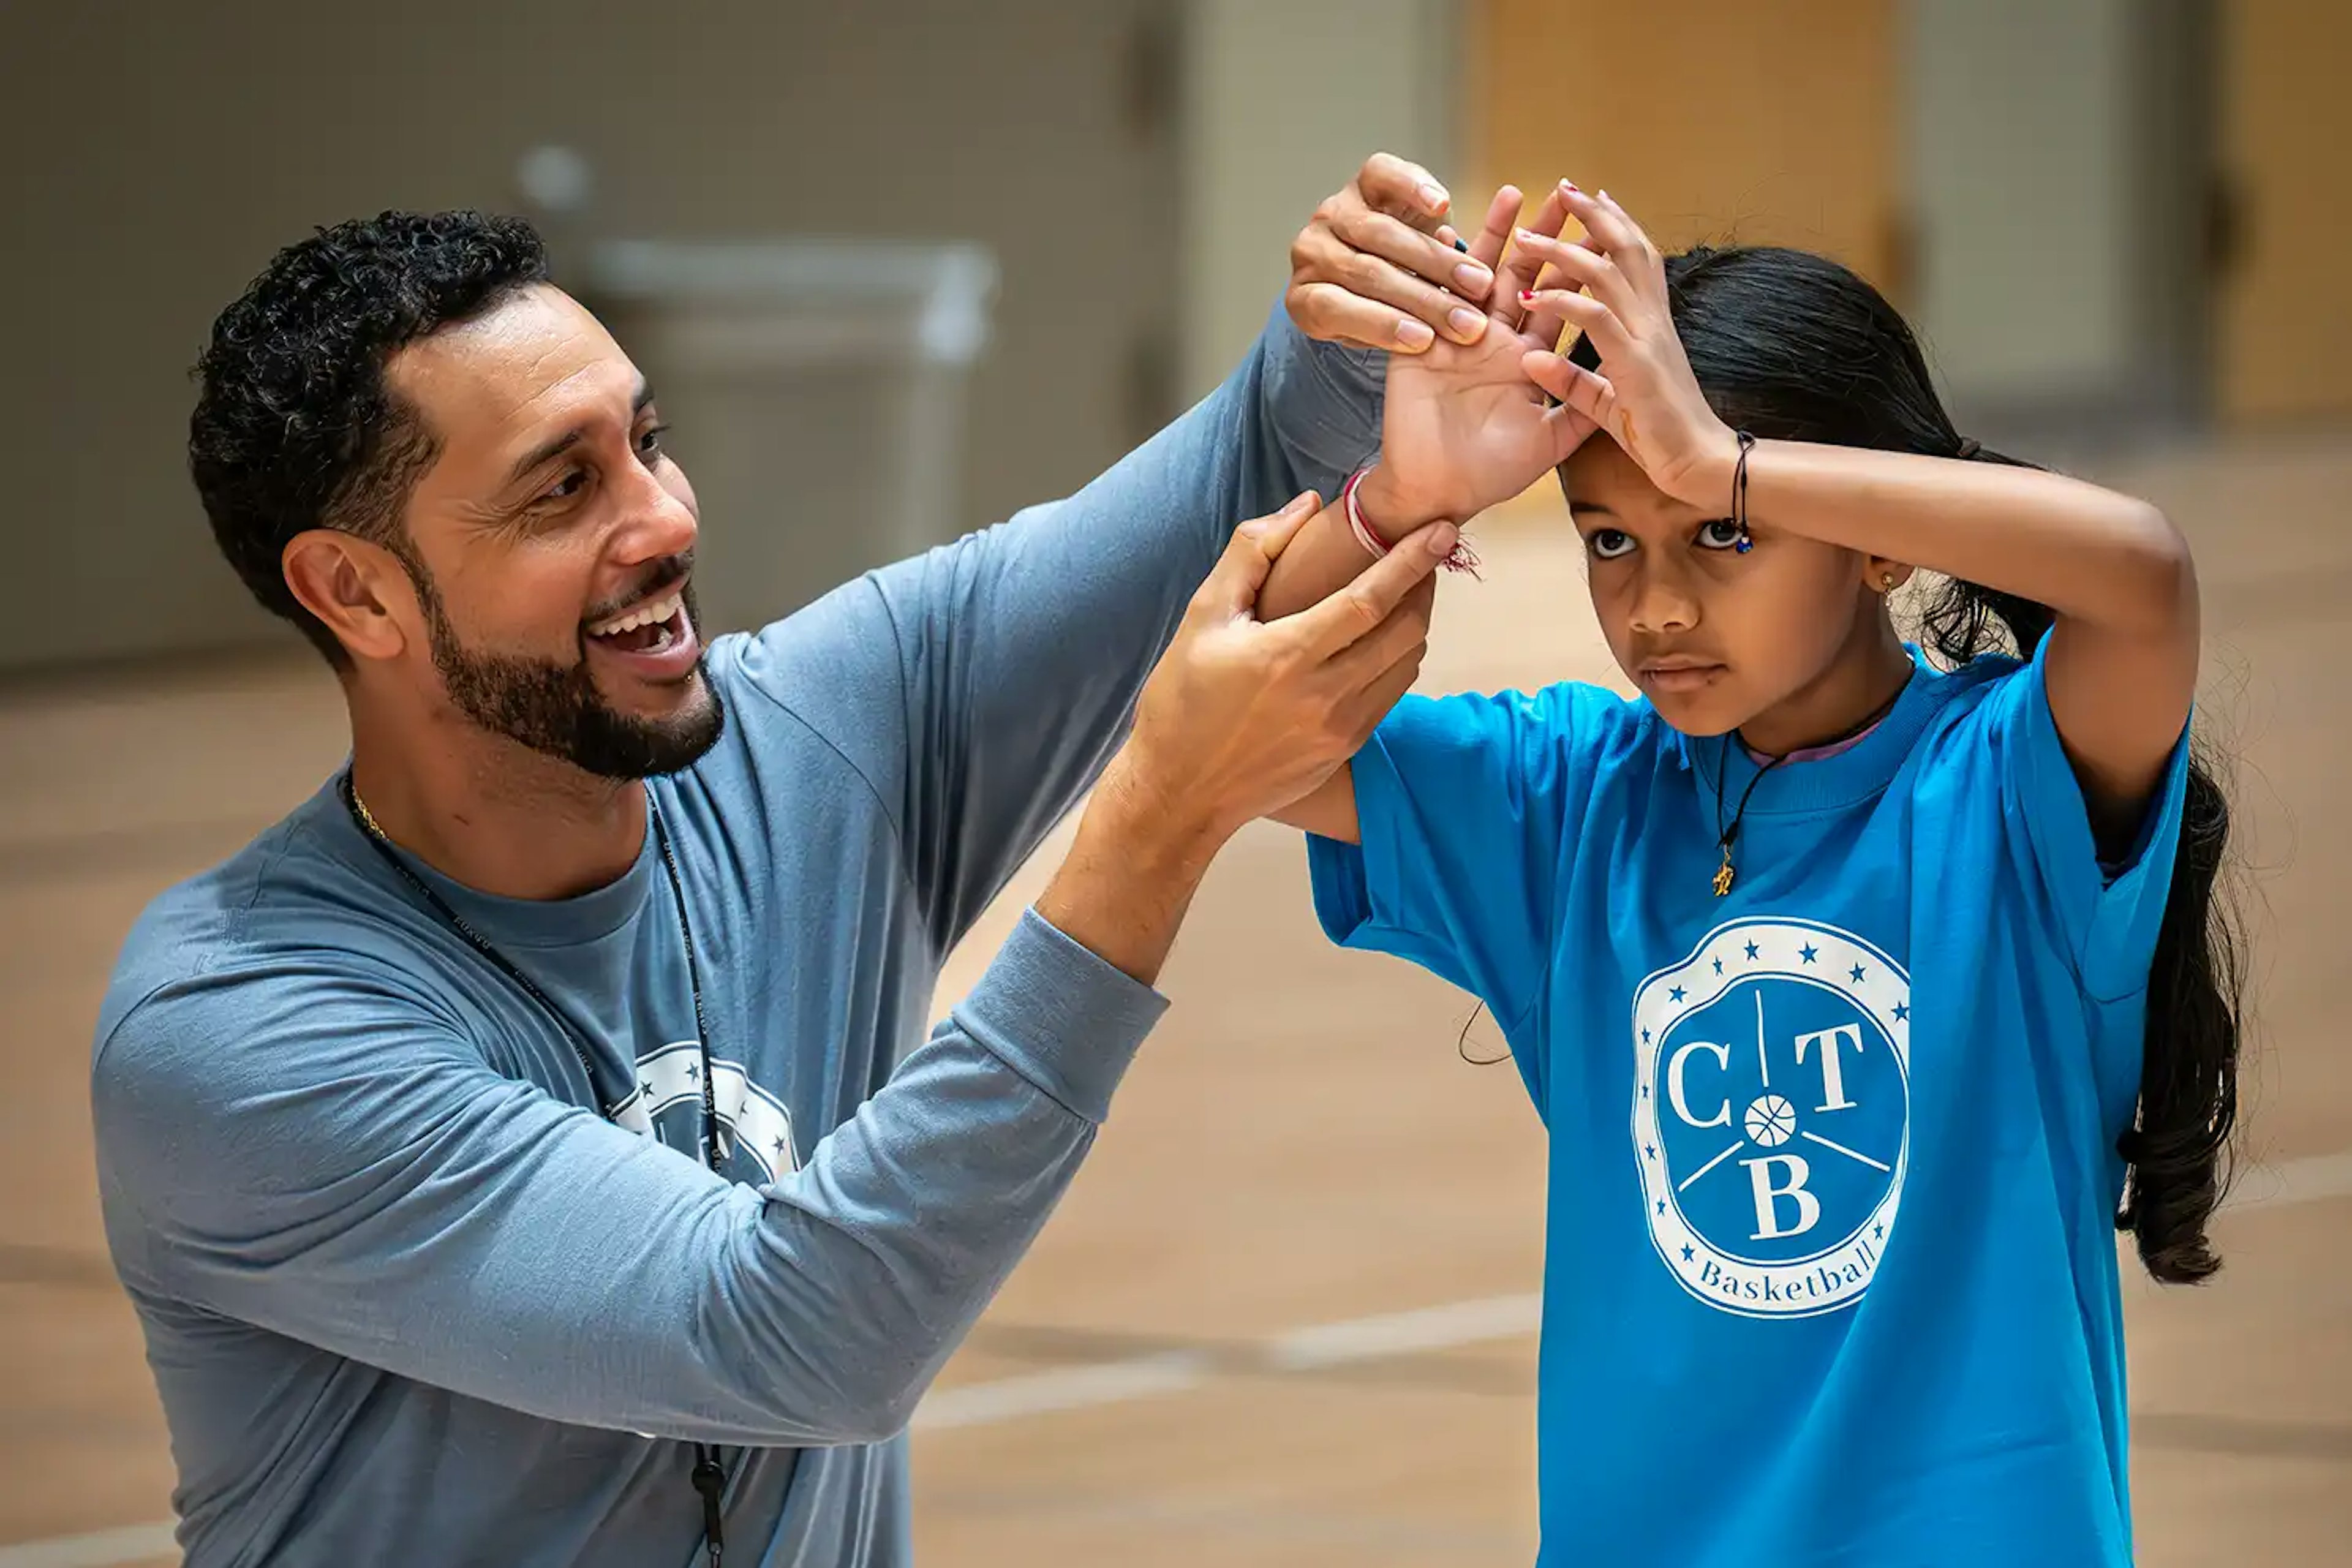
294	426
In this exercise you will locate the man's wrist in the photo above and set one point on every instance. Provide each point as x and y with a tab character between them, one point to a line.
1149	826
1124	887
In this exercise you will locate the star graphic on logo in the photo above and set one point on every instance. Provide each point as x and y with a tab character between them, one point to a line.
1719	967
1901	1012
1855	973
693	1073
1687	1252
1676	994
1809	953
1651	1150
1645	1037
647	1091
1661	1206
1646	1091
1751	950
781	1147
1879	1233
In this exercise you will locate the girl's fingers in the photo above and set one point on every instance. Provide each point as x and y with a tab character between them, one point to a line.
1581	390
1581	266
1594	320
1502	214
1621	237
1519	271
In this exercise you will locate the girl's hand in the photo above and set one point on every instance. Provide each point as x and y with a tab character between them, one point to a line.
1612	287
1465	427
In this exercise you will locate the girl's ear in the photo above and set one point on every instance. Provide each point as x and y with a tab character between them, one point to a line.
1882	575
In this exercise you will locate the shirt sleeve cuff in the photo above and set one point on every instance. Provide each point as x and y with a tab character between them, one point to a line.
1060	1016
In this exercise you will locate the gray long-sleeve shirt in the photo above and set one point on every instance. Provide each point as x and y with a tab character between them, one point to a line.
409	1299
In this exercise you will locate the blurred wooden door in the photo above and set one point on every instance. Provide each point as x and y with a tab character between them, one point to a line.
2285	314
1708	118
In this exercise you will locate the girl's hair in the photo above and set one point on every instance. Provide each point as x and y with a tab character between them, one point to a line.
1792	346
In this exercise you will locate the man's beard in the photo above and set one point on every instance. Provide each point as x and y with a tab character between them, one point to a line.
557	711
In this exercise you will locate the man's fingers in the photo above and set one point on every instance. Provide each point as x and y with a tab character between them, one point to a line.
1332	314
1356	611
1376	257
1232	587
1358	715
1405	631
1403	189
1425	255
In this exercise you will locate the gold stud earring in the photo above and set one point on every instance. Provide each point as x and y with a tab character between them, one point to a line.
1886	581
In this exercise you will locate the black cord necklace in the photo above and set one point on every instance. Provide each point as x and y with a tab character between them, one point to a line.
708	1476
1727	835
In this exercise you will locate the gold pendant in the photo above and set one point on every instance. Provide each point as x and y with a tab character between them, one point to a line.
1723	874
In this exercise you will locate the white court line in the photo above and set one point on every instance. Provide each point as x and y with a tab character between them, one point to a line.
1447	1327
101	1550
1066	1388
2300	1181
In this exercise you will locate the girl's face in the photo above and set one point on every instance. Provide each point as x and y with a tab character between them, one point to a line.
1715	638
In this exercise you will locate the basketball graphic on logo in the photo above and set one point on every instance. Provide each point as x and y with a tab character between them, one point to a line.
1771	1115
1770	1120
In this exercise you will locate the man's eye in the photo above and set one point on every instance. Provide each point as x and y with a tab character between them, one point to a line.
649	445
1609	543
570	485
1721	534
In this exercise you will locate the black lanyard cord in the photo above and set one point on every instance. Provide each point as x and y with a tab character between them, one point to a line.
708	1476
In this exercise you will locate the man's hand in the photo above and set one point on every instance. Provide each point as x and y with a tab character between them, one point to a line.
1239	719
1242	717
1378	266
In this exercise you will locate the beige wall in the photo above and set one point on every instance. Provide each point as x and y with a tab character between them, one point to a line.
1708	118
1283	100
155	166
2286	110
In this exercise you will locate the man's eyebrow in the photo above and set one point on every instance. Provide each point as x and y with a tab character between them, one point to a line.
548	450
544	452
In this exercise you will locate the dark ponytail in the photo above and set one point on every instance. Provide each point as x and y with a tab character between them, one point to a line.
1792	346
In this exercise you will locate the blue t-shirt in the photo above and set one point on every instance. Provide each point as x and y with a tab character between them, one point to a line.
1831	1267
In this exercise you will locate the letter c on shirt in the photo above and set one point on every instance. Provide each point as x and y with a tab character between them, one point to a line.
1722	1117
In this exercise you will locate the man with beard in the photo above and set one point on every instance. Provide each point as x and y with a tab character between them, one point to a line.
511	1153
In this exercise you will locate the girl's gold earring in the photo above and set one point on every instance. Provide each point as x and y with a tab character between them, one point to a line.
1886	581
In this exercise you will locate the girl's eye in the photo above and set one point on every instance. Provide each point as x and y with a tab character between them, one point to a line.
1609	543
1721	534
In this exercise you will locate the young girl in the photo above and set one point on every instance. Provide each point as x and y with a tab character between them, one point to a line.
1865	989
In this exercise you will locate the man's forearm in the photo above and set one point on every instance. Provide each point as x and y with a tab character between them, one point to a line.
1124	889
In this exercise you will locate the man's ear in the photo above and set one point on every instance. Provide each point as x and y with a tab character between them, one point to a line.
353	586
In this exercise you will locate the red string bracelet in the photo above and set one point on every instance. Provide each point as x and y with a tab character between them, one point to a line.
1463	559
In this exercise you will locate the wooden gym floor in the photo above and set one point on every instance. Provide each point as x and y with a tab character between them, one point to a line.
1285	1316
